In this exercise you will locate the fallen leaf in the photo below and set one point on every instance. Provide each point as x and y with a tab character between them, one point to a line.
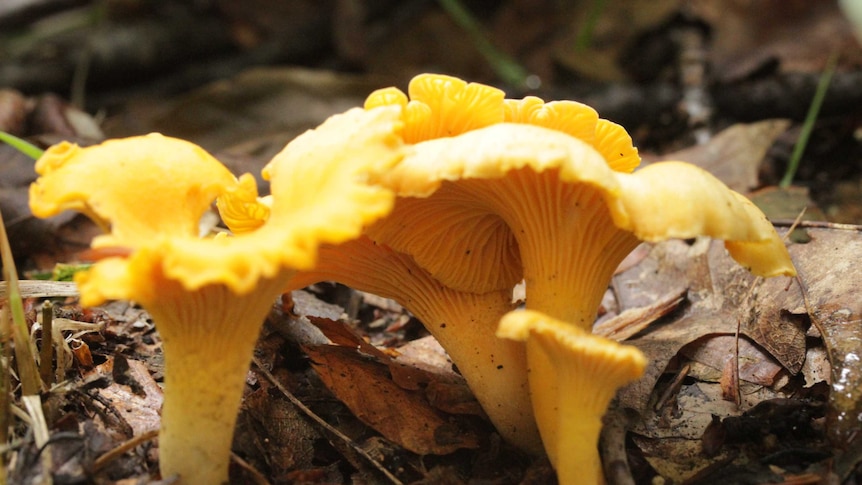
716	352
749	35
734	155
402	416
140	406
722	298
275	432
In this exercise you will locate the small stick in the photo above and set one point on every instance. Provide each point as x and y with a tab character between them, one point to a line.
46	353
123	447
328	427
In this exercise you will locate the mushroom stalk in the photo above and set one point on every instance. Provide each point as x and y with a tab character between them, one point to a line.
569	251
200	408
587	370
569	247
464	323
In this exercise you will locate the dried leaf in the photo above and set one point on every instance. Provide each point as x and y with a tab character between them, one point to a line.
755	366
140	407
734	155
771	312
747	36
400	415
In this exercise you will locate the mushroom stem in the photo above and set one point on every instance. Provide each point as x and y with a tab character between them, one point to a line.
568	243
464	323
587	370
569	247
200	408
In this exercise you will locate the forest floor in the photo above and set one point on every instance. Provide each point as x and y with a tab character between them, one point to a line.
742	387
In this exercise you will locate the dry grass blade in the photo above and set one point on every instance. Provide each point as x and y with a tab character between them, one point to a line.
42	289
27	371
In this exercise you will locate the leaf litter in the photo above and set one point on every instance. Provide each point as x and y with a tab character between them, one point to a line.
794	365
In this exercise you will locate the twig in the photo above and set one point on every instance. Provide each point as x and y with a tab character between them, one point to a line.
329	428
817	224
672	387
42	289
256	475
46	353
122	448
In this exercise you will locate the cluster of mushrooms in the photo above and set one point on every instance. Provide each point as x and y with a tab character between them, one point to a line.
444	200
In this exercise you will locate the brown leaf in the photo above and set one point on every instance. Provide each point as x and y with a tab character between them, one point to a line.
772	313
633	320
722	297
734	155
755	366
749	35
140	407
829	271
275	430
400	415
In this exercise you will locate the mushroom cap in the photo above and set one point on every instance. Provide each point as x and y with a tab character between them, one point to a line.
131	187
580	121
483	188
440	106
467	247
209	296
322	176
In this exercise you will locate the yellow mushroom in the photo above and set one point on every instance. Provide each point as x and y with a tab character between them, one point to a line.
209	297
588	370
548	193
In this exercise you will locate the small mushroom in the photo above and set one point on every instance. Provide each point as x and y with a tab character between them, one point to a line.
587	370
209	296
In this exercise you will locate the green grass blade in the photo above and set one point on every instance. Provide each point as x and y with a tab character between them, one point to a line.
810	119
22	146
507	68
585	33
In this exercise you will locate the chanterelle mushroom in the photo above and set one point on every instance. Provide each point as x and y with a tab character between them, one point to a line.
208	297
551	183
588	370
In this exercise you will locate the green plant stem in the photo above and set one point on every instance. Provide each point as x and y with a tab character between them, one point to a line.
22	146
810	119
503	65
